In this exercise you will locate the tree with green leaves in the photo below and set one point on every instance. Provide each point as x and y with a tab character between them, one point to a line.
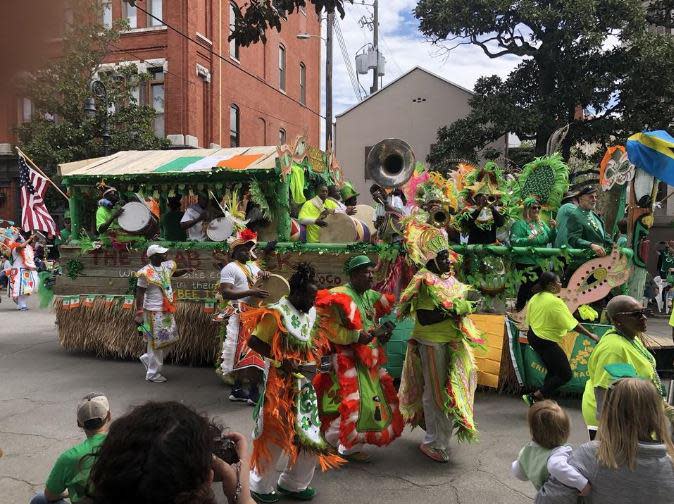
59	130
598	56
259	16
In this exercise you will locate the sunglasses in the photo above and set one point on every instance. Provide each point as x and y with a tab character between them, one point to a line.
637	313
535	207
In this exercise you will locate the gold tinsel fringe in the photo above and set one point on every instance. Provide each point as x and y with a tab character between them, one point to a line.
109	331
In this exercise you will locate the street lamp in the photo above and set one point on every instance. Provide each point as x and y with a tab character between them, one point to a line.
99	91
328	75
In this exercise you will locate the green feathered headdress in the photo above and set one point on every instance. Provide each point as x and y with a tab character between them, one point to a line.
545	178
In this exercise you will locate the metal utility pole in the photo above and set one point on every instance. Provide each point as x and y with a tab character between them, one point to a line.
375	42
328	80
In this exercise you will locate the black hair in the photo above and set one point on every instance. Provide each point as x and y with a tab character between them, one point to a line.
93	424
158	453
546	279
305	275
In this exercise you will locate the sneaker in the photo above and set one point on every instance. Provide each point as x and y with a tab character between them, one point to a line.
265	498
356	457
158	378
437	454
239	394
305	495
253	396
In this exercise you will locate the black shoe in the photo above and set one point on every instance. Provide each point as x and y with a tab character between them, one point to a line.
253	395
239	394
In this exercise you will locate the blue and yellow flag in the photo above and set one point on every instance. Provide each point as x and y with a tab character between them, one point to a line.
653	152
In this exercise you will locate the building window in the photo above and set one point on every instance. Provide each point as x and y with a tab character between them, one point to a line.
157	99
25	110
303	84
156	9
282	67
233	44
129	13
234	134
107	13
282	136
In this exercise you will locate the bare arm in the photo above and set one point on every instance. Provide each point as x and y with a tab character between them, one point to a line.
230	292
581	329
428	317
259	346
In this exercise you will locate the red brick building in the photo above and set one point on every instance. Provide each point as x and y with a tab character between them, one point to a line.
207	91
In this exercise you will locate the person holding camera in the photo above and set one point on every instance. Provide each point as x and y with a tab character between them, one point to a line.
144	459
439	353
286	422
359	401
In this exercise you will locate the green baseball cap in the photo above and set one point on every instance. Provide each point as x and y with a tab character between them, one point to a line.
356	262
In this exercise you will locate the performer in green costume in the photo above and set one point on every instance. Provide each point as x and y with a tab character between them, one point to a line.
358	402
439	375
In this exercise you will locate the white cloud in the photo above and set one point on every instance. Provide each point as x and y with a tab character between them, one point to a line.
404	48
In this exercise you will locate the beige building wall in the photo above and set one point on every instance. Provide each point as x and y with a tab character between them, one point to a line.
411	108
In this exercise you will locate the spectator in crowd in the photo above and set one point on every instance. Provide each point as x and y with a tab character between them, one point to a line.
549	319
69	476
620	352
171	229
530	231
631	461
166	453
547	454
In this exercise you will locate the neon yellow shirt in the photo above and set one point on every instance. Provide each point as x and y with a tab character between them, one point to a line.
671	319
613	349
549	317
102	216
310	211
442	332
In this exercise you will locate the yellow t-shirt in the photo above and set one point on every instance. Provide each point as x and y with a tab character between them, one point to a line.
613	349
442	332
266	329
310	211
671	319
549	317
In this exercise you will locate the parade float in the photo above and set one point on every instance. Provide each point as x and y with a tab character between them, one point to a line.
94	295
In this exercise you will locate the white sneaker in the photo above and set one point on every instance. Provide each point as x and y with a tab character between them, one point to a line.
158	378
144	359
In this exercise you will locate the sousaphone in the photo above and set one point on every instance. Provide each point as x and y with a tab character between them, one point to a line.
390	163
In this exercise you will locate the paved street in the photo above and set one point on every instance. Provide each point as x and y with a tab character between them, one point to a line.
41	384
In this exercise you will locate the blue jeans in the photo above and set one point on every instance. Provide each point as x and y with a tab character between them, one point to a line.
40	498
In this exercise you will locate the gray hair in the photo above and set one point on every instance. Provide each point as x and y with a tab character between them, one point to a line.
619	304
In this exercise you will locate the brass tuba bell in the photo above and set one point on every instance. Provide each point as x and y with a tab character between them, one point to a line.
391	162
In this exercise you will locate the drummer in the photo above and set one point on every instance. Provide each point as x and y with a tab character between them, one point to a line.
194	219
349	196
107	211
313	214
334	202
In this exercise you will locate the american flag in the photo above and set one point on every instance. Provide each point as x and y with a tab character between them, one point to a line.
34	213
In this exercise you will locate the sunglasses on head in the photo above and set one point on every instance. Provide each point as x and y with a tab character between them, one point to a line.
636	313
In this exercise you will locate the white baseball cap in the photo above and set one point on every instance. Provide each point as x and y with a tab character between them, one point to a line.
94	406
156	249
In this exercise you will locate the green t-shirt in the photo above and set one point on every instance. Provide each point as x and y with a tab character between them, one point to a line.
103	214
442	332
562	218
549	317
533	461
170	226
71	470
613	349
64	236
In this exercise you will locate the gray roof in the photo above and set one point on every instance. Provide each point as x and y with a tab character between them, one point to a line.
448	82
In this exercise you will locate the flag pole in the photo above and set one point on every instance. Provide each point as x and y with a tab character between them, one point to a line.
37	168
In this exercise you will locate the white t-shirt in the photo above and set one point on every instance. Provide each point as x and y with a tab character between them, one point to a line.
198	231
154	297
394	202
233	274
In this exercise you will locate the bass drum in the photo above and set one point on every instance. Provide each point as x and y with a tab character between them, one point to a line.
340	229
137	219
363	231
365	213
219	229
298	232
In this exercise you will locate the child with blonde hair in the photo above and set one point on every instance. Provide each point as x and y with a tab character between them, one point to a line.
547	454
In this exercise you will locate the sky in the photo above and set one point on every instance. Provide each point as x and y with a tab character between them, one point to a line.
404	48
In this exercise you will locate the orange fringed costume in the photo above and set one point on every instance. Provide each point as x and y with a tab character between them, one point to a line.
287	416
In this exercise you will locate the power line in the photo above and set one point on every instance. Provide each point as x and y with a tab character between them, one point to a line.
347	61
283	120
222	58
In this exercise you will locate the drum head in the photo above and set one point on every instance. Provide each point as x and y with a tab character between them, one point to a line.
276	286
340	229
365	213
220	229
135	218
